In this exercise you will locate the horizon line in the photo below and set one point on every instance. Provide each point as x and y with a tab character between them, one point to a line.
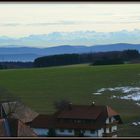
23	46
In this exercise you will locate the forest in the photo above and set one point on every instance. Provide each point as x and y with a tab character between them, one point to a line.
100	58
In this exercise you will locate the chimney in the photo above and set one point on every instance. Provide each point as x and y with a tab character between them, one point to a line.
93	103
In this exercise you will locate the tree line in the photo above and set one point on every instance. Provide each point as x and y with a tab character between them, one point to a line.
15	65
99	58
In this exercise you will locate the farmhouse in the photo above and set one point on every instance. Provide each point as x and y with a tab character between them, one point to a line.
18	120
78	120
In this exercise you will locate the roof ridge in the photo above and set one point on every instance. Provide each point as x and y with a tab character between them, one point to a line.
24	125
110	111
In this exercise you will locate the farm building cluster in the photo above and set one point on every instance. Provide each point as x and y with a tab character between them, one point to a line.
18	120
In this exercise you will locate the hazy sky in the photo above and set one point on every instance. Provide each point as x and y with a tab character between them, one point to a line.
18	20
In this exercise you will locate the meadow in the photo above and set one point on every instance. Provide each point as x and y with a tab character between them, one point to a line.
39	88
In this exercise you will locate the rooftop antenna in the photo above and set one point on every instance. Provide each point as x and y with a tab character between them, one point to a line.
70	105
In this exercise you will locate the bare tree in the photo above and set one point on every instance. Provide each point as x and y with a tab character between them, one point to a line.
62	104
6	96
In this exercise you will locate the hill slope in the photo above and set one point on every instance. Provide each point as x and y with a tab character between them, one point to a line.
39	88
13	53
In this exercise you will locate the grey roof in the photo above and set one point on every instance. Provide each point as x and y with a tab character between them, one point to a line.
16	128
19	111
25	131
19	129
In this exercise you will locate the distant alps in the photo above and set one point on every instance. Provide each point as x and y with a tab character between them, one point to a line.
86	38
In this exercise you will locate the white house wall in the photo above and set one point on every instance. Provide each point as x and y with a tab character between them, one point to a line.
41	131
88	133
107	120
114	136
107	130
100	132
112	119
65	132
114	128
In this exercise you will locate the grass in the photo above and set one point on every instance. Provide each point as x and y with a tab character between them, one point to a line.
40	87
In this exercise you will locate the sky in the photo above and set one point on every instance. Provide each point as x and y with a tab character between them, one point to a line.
23	20
20	20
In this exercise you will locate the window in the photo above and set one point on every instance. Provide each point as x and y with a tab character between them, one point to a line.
74	121
110	129
92	131
61	130
114	128
112	119
78	121
69	130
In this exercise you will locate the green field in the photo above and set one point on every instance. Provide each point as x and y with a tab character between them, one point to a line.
40	87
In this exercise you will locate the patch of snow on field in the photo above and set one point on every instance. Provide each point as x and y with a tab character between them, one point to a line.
133	93
113	97
97	93
134	96
138	104
136	123
122	89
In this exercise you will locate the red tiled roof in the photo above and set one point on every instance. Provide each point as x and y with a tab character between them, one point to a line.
111	112
45	121
81	112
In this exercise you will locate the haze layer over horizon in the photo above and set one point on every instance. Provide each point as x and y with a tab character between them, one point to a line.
53	24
